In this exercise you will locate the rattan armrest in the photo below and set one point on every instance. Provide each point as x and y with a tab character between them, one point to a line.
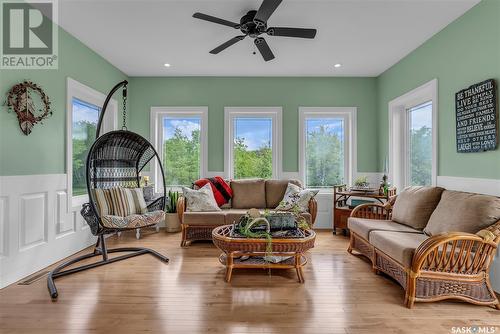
181	207
373	211
454	252
313	210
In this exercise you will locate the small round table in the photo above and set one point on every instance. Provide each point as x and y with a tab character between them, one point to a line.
234	248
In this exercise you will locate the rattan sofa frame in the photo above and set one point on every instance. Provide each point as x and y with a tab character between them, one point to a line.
451	265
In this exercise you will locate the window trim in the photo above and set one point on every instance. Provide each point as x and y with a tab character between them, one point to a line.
230	113
156	130
349	114
398	132
78	90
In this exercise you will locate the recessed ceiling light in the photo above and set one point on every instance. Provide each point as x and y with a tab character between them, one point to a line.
166	65
337	65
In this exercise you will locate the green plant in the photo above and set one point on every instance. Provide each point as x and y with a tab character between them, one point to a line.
361	181
173	196
245	228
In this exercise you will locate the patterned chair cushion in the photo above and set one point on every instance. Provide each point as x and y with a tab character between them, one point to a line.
134	220
120	202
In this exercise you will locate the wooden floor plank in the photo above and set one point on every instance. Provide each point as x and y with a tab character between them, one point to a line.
189	295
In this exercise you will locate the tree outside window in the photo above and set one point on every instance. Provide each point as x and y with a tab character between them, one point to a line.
324	152
181	150
85	118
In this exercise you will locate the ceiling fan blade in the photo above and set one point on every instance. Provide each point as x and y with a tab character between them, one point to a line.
266	9
214	19
227	44
291	32
264	49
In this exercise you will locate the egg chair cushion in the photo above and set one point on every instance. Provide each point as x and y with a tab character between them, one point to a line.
134	220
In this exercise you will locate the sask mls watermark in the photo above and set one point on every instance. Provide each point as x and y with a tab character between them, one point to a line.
29	38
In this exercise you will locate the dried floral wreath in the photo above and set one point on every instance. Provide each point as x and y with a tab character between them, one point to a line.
30	103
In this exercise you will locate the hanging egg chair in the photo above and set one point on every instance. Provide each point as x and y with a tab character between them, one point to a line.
115	161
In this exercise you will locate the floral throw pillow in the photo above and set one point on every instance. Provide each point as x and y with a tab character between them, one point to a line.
296	196
200	200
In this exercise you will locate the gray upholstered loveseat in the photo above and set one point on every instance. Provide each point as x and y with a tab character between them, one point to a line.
247	194
436	243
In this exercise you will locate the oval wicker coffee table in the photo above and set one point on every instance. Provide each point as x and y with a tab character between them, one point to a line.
234	248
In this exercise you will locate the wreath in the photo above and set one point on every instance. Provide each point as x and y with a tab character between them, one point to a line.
20	100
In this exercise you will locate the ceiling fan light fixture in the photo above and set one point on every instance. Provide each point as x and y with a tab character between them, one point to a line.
338	65
166	65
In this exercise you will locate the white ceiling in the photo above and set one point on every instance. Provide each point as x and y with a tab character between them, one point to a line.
366	36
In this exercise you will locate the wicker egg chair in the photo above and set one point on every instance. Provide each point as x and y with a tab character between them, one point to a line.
114	160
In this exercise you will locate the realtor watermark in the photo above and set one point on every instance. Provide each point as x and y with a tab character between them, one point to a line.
475	330
29	34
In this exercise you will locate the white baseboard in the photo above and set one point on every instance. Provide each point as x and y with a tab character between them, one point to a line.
36	229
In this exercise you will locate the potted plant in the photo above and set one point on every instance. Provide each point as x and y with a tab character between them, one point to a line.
172	222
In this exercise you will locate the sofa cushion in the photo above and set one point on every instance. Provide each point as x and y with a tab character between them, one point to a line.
463	212
363	227
248	194
400	246
133	220
275	190
204	218
415	205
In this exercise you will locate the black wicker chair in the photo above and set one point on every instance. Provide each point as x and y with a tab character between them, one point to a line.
114	160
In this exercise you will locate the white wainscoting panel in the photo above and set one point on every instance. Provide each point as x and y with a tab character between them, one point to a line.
33	220
481	186
36	228
4	212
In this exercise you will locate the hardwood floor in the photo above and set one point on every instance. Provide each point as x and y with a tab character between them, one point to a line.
341	295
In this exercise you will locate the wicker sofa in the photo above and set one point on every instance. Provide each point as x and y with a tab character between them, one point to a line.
247	193
445	254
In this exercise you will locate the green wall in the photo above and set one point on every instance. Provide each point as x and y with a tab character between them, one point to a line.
466	52
288	92
44	150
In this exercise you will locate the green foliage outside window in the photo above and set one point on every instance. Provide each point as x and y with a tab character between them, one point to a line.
324	158
182	158
83	138
252	163
421	156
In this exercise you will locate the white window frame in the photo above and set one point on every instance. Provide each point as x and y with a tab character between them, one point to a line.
349	115
399	135
230	113
156	134
75	89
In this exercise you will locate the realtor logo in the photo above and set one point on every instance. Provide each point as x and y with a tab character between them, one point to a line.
29	34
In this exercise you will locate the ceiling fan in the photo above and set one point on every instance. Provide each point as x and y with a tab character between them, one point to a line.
254	24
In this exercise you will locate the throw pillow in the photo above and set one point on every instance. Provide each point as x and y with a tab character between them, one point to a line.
127	201
414	206
200	200
220	188
103	201
294	195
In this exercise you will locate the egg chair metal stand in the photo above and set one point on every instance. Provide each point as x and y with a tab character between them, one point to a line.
115	160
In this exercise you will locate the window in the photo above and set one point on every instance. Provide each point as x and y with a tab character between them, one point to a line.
413	137
180	137
420	145
181	150
252	142
83	109
326	146
85	118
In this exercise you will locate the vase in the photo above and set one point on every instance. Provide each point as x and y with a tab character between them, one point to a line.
172	222
148	192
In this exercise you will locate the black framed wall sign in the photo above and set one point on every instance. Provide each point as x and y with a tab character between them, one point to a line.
477	117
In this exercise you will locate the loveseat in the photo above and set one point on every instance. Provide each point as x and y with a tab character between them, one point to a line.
247	194
436	243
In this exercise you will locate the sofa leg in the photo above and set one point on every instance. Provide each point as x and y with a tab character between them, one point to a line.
183	240
410	290
351	242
